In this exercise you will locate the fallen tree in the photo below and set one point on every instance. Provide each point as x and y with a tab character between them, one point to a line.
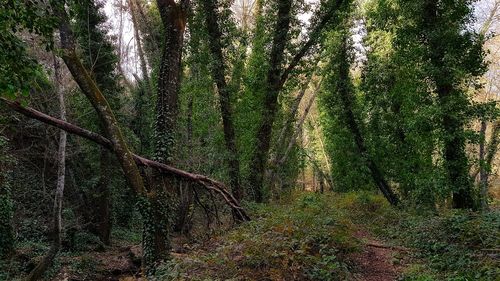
200	180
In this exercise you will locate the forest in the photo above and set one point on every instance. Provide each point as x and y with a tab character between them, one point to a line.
249	140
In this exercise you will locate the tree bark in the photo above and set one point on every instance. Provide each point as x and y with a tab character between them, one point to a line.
155	247
47	260
173	16
486	161
218	73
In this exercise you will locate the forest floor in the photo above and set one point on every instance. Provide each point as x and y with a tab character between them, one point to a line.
375	261
309	236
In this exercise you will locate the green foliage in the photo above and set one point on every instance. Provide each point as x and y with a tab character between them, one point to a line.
18	70
412	99
349	170
455	245
82	241
84	267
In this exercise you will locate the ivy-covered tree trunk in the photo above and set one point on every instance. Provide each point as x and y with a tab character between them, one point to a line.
173	16
277	76
263	138
344	91
218	73
451	99
456	162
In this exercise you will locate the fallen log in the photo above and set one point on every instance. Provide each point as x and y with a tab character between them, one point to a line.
201	180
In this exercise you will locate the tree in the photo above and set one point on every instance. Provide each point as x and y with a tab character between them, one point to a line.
98	56
277	75
56	230
453	58
218	72
340	94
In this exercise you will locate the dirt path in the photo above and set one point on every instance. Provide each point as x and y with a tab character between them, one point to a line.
375	261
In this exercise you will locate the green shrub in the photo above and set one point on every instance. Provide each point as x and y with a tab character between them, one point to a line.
453	245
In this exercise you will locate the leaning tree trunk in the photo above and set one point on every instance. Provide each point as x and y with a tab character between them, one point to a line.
147	201
47	260
142	58
346	99
279	160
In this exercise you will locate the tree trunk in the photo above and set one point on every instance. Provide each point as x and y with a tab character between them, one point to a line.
297	129
277	160
173	16
346	98
274	85
47	260
218	73
486	162
293	114
454	154
153	252
276	78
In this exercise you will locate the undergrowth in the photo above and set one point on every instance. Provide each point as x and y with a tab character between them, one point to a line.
309	237
451	245
306	239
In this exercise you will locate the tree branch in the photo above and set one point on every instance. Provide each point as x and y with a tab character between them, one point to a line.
201	180
315	33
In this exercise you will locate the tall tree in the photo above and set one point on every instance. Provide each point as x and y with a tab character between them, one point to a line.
454	55
278	74
155	245
340	92
98	56
174	19
56	229
212	21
